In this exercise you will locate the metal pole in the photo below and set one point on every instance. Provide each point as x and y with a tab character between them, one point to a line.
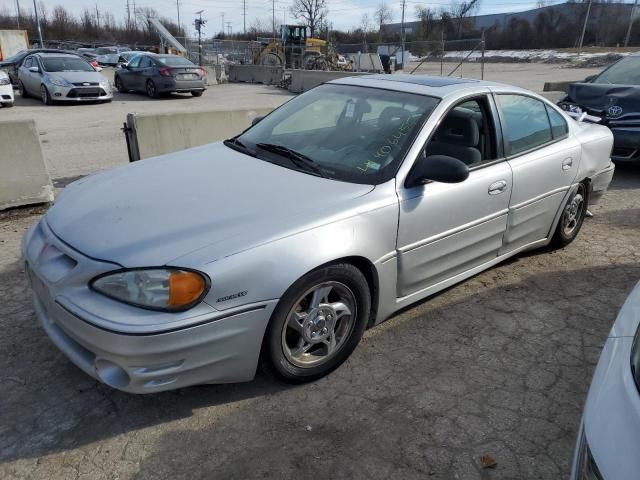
584	27
633	11
35	9
402	32
222	30
482	60
244	16
273	13
18	10
441	52
178	7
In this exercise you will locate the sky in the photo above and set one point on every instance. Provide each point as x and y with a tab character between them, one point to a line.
343	14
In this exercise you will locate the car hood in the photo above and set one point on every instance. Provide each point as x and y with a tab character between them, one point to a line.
156	210
599	97
79	77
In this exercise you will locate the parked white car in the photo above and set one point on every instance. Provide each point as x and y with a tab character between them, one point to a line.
608	446
6	90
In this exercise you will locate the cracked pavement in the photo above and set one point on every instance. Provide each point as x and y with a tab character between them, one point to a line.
497	365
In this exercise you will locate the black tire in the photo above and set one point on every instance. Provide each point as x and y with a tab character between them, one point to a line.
152	91
7	105
341	277
572	217
119	86
197	93
45	96
22	91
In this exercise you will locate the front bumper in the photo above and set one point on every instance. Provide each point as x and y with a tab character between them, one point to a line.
611	421
6	93
79	93
221	347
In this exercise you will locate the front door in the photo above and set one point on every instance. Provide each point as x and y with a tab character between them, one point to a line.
448	229
544	160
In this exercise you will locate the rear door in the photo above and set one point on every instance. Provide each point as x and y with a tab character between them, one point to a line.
446	230
147	70
544	160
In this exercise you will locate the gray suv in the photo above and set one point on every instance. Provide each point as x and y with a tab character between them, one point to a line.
156	74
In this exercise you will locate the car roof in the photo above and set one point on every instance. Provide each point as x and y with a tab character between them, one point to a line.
431	85
52	55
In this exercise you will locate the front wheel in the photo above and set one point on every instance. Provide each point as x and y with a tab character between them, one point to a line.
120	85
317	323
572	218
197	93
44	95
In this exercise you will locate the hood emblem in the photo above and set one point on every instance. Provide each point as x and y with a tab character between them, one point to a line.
614	111
86	84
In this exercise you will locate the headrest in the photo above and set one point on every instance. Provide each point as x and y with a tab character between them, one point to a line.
392	115
459	130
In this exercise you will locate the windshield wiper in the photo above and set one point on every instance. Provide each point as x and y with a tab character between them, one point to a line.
297	158
238	146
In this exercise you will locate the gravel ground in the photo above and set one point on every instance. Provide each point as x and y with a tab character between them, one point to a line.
497	365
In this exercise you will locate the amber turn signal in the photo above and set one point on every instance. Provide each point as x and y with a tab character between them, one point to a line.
184	288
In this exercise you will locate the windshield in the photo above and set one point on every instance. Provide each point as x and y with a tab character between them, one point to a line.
173	60
66	64
349	133
624	72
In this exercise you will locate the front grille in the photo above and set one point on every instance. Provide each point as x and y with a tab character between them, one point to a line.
86	84
86	92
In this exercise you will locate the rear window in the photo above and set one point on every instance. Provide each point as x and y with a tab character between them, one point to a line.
173	61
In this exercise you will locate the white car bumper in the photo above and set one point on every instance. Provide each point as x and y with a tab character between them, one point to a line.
6	93
609	439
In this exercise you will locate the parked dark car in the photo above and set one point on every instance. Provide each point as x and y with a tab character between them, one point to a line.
157	74
13	63
613	96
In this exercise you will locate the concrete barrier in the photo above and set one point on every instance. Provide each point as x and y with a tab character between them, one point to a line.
24	179
150	135
266	74
558	86
303	80
554	97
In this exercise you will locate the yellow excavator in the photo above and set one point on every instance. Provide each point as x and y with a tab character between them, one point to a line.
294	49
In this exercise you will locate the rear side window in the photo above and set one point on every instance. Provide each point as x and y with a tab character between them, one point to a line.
526	122
145	62
559	126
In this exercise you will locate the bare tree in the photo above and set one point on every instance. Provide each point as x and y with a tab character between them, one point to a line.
461	10
427	19
312	12
382	15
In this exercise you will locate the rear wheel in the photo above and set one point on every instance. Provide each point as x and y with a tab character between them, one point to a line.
197	93
317	323
572	218
44	95
152	91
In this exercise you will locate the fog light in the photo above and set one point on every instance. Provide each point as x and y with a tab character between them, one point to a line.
57	94
112	374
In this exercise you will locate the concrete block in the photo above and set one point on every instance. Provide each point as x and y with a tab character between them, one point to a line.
24	179
303	80
266	74
558	86
171	132
554	97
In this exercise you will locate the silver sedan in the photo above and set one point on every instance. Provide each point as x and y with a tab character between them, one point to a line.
344	205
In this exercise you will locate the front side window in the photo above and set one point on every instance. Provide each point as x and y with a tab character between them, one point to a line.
28	62
349	133
135	61
526	122
145	62
66	64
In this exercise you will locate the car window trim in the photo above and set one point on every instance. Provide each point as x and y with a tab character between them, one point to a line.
508	155
566	124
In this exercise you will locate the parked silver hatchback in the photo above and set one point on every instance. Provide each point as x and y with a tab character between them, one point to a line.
55	77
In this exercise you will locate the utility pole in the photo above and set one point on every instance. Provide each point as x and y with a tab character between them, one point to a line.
244	16
35	9
198	23
97	17
273	13
402	36
18	10
135	17
178	7
584	27
222	25
631	18
228	28
128	15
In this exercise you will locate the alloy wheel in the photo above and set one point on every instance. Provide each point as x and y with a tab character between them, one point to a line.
572	214
319	324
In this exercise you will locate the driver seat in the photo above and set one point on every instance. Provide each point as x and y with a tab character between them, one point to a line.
458	136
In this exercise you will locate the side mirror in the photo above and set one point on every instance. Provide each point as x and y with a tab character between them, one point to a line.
438	168
256	120
590	78
34	69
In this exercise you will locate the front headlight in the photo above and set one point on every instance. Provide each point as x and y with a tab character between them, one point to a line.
59	82
167	289
4	80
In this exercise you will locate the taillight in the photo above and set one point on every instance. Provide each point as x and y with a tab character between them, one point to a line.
93	63
202	72
165	72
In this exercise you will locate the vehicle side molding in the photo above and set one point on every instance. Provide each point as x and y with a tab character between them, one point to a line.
437	168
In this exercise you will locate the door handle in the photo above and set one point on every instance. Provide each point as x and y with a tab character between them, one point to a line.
497	187
567	163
